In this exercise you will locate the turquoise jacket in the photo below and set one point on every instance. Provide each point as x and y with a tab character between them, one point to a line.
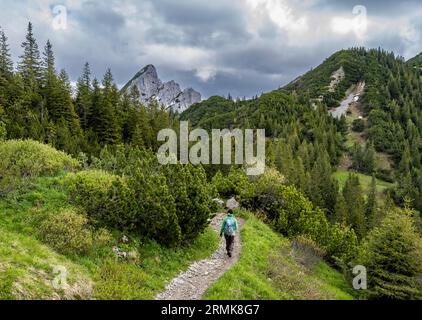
223	226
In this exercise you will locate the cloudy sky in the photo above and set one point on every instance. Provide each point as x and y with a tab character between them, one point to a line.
244	47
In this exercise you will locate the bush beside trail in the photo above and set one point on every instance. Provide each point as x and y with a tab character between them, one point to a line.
290	213
170	204
28	158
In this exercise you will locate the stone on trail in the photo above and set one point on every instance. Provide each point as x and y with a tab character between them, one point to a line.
232	204
218	201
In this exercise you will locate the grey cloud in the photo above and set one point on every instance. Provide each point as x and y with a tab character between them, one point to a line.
205	24
95	16
118	34
374	7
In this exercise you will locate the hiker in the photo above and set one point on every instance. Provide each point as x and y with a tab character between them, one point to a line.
229	228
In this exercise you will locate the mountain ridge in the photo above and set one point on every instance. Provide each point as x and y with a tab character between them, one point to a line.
167	93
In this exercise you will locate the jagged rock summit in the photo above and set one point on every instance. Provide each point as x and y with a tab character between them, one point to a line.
168	93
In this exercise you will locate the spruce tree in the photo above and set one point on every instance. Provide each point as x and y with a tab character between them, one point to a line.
108	130
371	204
323	187
341	210
6	64
392	255
83	97
369	159
355	204
50	89
30	62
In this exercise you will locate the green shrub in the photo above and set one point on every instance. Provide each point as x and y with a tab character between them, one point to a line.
341	243
192	197
232	185
31	159
222	184
358	125
3	132
169	204
289	212
67	232
260	194
102	237
105	197
156	209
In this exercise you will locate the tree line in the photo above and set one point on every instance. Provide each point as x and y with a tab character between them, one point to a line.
38	102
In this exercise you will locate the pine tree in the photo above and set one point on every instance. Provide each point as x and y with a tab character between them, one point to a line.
371	204
30	64
199	193
83	97
94	118
67	108
358	157
48	63
270	156
50	89
392	255
107	128
341	210
323	187
369	160
191	196
128	118
130	114
6	64
157	217
355	204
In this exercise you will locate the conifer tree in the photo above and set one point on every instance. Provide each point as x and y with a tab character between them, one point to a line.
371	204
324	188
95	112
50	86
30	63
355	204
67	110
392	255
108	131
341	210
157	217
83	97
6	64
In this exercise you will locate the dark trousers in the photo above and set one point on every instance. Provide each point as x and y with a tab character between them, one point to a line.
229	244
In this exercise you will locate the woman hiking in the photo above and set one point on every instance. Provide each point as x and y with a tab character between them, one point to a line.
229	228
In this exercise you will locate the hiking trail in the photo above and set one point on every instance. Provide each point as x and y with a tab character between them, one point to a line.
192	283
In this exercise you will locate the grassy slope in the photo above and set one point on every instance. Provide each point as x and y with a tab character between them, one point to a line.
157	267
26	264
26	270
365	181
266	270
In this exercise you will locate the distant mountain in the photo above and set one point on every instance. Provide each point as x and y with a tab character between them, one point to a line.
390	104
416	61
168	93
330	80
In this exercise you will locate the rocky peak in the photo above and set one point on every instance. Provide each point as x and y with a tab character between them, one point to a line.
169	93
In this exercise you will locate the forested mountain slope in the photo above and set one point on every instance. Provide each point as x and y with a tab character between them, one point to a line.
391	107
416	63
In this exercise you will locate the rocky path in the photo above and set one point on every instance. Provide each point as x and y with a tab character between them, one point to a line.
192	283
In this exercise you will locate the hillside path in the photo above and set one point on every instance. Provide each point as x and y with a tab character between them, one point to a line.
192	283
